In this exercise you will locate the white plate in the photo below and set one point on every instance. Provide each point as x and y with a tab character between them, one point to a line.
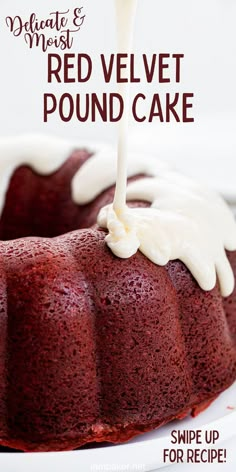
144	453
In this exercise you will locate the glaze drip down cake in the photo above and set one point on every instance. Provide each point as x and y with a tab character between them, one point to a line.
96	347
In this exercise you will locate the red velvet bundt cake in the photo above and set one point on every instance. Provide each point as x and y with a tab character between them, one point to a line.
94	347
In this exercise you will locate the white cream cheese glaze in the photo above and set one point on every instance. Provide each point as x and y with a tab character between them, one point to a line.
185	220
43	154
125	16
99	172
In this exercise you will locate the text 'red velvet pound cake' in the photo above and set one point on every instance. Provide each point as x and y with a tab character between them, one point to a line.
101	341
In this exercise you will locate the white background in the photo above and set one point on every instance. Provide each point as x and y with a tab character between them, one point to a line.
204	30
